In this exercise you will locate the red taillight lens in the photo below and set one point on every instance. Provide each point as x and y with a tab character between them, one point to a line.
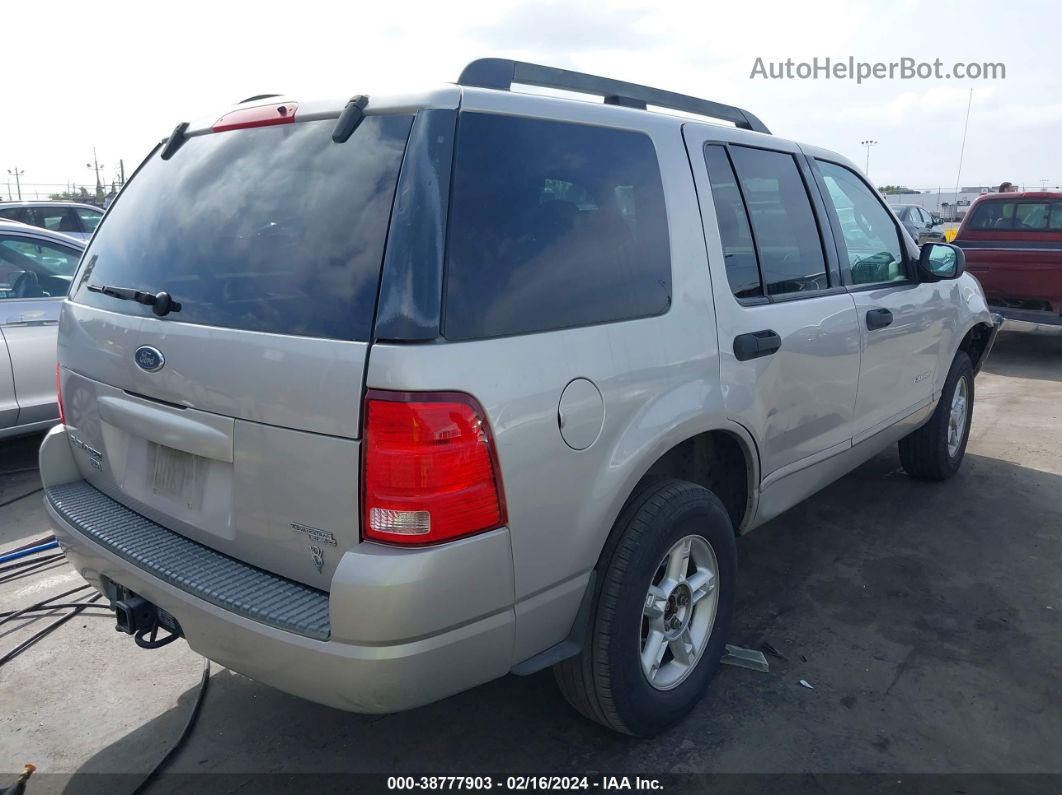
260	116
59	394
430	469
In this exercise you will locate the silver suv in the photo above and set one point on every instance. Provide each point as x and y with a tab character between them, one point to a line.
377	401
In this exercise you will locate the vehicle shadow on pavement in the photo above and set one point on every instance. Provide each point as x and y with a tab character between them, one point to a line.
1027	355
924	616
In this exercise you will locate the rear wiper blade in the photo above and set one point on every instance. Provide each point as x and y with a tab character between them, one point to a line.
160	303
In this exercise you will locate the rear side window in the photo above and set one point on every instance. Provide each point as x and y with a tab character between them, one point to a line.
787	235
59	219
274	229
21	214
871	238
739	252
553	225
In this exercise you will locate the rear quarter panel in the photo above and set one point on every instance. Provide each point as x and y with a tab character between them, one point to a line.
658	378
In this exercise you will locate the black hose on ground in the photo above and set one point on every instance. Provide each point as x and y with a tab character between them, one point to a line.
20	497
46	631
75	609
163	763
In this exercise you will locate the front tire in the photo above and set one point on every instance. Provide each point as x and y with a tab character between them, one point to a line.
935	451
662	614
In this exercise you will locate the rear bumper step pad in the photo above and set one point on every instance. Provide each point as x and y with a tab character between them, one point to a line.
192	567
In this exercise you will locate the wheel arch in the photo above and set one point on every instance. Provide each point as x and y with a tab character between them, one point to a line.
722	456
975	343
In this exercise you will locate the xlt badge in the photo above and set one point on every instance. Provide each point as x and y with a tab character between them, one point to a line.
315	533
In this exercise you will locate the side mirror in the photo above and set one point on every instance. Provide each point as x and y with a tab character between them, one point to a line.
937	220
941	261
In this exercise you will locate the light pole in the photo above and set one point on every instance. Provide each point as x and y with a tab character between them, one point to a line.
16	173
95	164
868	143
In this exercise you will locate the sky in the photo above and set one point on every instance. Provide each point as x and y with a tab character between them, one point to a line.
118	76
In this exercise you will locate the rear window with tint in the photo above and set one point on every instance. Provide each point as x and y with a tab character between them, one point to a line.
274	229
553	225
1017	216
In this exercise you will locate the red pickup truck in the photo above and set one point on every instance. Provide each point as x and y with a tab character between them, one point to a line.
1013	245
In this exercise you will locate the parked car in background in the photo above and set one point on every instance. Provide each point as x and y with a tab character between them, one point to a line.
440	386
1013	244
35	271
69	218
920	224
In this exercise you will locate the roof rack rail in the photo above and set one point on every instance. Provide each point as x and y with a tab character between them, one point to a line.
257	97
501	73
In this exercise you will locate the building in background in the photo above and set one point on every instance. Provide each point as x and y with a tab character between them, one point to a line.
948	205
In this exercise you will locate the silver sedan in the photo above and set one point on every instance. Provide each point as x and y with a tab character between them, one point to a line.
36	267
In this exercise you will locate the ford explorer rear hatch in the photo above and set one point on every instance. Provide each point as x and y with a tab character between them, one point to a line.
218	329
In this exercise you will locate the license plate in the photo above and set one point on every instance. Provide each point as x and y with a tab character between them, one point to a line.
177	475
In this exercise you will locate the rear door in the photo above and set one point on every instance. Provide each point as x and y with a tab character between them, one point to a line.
788	337
234	418
35	275
901	321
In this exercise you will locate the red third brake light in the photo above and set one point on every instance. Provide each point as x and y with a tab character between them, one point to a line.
430	470
258	116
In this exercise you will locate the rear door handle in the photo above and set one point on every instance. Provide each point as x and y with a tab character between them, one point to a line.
878	318
756	344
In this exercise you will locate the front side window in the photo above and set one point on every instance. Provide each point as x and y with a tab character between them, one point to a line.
735	234
553	225
35	269
786	232
89	218
871	239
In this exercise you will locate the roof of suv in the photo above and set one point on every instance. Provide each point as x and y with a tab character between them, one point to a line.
488	77
16	227
501	75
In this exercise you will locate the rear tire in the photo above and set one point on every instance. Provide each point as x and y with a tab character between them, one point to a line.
656	572
935	451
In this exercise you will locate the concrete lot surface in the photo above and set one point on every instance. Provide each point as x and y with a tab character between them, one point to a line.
927	617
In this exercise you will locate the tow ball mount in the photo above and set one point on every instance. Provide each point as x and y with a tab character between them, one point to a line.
136	616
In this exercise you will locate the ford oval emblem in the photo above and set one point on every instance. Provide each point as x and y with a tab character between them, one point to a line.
149	359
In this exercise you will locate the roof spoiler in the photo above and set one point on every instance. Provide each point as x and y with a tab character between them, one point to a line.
501	73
